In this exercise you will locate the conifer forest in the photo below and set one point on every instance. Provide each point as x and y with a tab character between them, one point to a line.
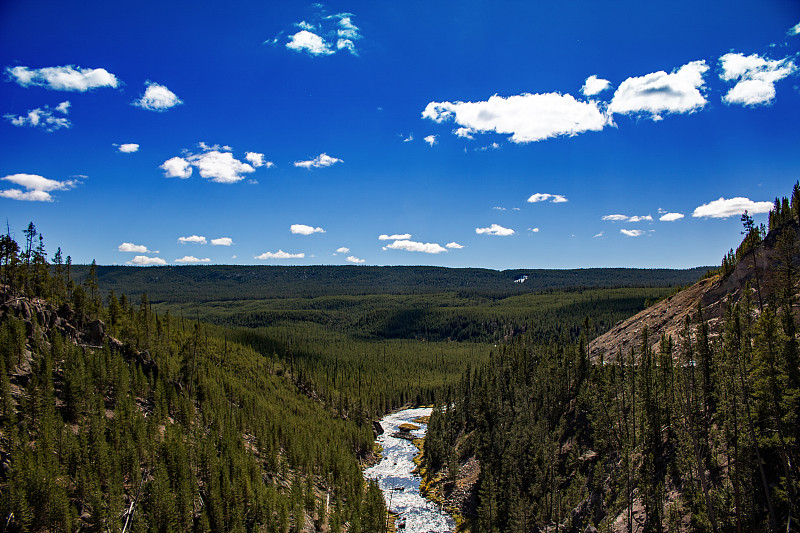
219	398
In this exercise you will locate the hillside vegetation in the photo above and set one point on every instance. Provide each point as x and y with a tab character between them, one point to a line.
682	418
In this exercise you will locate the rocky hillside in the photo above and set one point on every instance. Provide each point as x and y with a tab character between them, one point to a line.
714	293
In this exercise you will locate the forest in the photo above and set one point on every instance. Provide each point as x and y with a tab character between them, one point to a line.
124	411
699	433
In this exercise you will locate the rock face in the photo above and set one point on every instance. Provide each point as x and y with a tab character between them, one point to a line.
714	294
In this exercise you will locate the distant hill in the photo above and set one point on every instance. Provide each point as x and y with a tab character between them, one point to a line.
198	283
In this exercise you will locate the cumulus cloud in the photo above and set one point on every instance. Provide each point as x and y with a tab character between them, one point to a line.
302	229
222	241
395	237
157	97
657	93
465	133
616	218
527	117
453	246
128	148
724	208
594	85
354	259
220	167
321	161
280	254
409	138
412	246
42	117
143	260
670	217
176	167
192	259
632	232
136	248
309	42
215	163
343	250
431	139
196	239
38	188
327	35
544	197
66	78
755	77
495	229
795	30
257	160
533	230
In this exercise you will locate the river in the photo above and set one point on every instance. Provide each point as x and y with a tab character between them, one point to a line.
400	487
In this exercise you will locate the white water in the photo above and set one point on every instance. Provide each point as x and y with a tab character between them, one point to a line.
400	487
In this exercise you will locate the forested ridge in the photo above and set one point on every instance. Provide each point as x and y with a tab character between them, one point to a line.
699	433
202	283
115	418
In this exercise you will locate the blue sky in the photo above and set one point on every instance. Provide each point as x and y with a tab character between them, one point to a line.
486	134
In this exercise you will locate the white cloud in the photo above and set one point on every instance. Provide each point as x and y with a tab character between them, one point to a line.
594	85
302	229
192	259
495	229
143	260
257	160
38	187
626	218
795	30
325	36
534	230
431	139
670	217
321	161
209	147
176	167
498	208
527	117
409	138
599	235
157	98
220	167
280	254
658	92
395	237
128	148
724	208
136	248
354	259
196	239
453	246
222	241
411	246
343	250
42	117
306	41
544	197
465	133
755	78
66	78
632	232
